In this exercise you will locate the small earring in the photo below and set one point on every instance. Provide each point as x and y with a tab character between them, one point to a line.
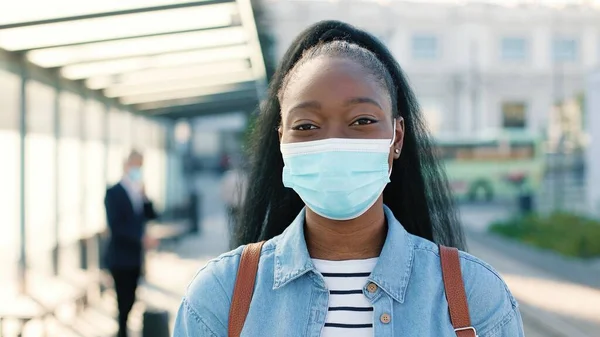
396	151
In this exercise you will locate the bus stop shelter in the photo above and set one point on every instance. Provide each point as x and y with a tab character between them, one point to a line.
83	81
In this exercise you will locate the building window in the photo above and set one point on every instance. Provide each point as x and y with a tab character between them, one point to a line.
564	49
514	49
425	47
432	109
514	115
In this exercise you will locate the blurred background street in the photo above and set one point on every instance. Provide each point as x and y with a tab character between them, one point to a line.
510	91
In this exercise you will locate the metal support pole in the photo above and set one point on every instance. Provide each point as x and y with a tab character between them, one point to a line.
456	105
560	155
57	132
474	77
95	243
99	237
256	59
133	125
83	161
22	271
106	140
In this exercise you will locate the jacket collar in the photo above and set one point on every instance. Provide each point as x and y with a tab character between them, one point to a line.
391	273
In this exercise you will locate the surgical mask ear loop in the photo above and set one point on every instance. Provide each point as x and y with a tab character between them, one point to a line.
392	144
394	133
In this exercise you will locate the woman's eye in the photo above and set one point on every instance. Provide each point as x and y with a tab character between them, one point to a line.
305	127
364	121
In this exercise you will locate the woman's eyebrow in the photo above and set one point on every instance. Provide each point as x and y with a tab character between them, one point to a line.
307	105
362	100
352	101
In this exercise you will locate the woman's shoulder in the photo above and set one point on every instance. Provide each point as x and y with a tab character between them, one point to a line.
208	295
471	266
225	265
491	304
219	274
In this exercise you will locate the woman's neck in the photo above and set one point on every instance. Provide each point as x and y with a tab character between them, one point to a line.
359	238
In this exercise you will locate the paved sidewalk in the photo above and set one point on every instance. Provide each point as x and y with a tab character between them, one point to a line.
560	300
549	303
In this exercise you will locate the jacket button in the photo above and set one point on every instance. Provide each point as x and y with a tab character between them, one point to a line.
385	318
372	287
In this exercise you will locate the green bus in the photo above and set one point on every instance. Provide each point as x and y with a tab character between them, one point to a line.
492	167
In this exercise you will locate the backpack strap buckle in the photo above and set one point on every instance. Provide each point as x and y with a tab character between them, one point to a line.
470	328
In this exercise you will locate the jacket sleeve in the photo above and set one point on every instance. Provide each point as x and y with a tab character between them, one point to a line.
118	229
494	310
204	311
510	326
190	324
149	211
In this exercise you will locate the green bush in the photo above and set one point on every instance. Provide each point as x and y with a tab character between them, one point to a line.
566	233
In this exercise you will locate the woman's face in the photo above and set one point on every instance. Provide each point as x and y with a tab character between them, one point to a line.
337	98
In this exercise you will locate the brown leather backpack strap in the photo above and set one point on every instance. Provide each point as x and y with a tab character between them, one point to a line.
244	288
455	292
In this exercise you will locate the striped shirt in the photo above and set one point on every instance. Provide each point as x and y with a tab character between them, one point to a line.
350	314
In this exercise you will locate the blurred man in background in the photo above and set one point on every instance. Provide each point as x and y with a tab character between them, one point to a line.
127	209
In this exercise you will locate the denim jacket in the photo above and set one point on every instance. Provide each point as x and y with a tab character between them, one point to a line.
291	298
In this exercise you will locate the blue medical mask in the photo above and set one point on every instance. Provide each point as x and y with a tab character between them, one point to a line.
337	178
135	174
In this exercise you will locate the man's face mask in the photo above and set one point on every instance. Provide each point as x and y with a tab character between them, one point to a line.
135	174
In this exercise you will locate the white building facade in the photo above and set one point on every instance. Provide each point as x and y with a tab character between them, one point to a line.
593	150
474	66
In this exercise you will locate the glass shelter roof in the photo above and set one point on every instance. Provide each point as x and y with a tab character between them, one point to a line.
161	57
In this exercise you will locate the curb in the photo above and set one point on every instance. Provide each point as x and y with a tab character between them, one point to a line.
574	270
551	324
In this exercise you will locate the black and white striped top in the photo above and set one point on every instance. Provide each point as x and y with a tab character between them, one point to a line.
350	313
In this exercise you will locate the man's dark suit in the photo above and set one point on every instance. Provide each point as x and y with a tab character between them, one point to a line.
125	249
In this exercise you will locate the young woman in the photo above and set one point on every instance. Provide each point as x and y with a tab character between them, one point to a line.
346	190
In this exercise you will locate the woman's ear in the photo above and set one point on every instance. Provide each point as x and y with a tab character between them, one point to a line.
280	132
399	129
